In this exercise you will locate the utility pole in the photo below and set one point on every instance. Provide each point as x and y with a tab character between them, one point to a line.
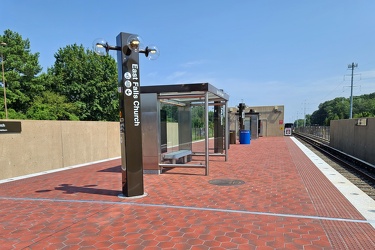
304	114
297	121
351	66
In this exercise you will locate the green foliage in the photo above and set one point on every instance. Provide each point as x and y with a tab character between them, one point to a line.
197	116
172	112
79	86
12	114
20	66
308	120
87	80
52	106
298	123
338	108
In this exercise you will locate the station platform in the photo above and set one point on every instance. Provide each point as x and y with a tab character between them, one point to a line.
270	194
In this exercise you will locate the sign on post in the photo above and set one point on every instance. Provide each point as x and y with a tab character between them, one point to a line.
130	118
10	127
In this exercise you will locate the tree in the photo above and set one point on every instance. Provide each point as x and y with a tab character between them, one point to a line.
197	116
298	123
338	108
52	106
88	81
171	112
20	66
308	120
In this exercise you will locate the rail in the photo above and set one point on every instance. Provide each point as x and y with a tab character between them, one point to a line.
364	168
322	132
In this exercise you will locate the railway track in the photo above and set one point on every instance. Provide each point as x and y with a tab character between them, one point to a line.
360	173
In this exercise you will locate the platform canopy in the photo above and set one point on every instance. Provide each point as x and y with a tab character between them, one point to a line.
196	94
191	92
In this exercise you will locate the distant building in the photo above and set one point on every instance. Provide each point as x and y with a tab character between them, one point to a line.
260	120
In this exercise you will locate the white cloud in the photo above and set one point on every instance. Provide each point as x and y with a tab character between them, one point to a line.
193	63
176	75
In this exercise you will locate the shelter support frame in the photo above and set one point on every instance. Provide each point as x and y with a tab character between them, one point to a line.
185	94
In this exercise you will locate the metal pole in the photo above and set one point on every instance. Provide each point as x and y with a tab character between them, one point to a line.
351	94
226	130
5	92
304	114
206	134
297	121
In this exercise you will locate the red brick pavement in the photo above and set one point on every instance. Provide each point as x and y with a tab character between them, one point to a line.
285	203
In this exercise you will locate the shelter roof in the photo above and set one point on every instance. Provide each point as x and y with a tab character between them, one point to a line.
191	92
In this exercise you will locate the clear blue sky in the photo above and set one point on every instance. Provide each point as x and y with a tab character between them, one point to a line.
265	52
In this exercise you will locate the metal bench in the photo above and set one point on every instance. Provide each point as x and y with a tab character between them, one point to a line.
174	156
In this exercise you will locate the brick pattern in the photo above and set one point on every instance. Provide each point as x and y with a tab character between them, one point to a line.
77	225
329	202
79	208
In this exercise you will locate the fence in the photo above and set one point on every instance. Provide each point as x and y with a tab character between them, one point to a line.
199	133
322	132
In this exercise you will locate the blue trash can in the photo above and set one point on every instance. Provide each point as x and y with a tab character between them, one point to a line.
245	137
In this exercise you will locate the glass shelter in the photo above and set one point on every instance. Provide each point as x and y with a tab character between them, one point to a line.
183	126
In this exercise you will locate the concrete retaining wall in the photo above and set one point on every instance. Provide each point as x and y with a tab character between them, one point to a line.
354	139
48	145
172	134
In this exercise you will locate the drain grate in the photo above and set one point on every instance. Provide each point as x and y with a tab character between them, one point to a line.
226	182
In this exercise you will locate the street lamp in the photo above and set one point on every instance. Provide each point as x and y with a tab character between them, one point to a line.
134	43
128	47
5	92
